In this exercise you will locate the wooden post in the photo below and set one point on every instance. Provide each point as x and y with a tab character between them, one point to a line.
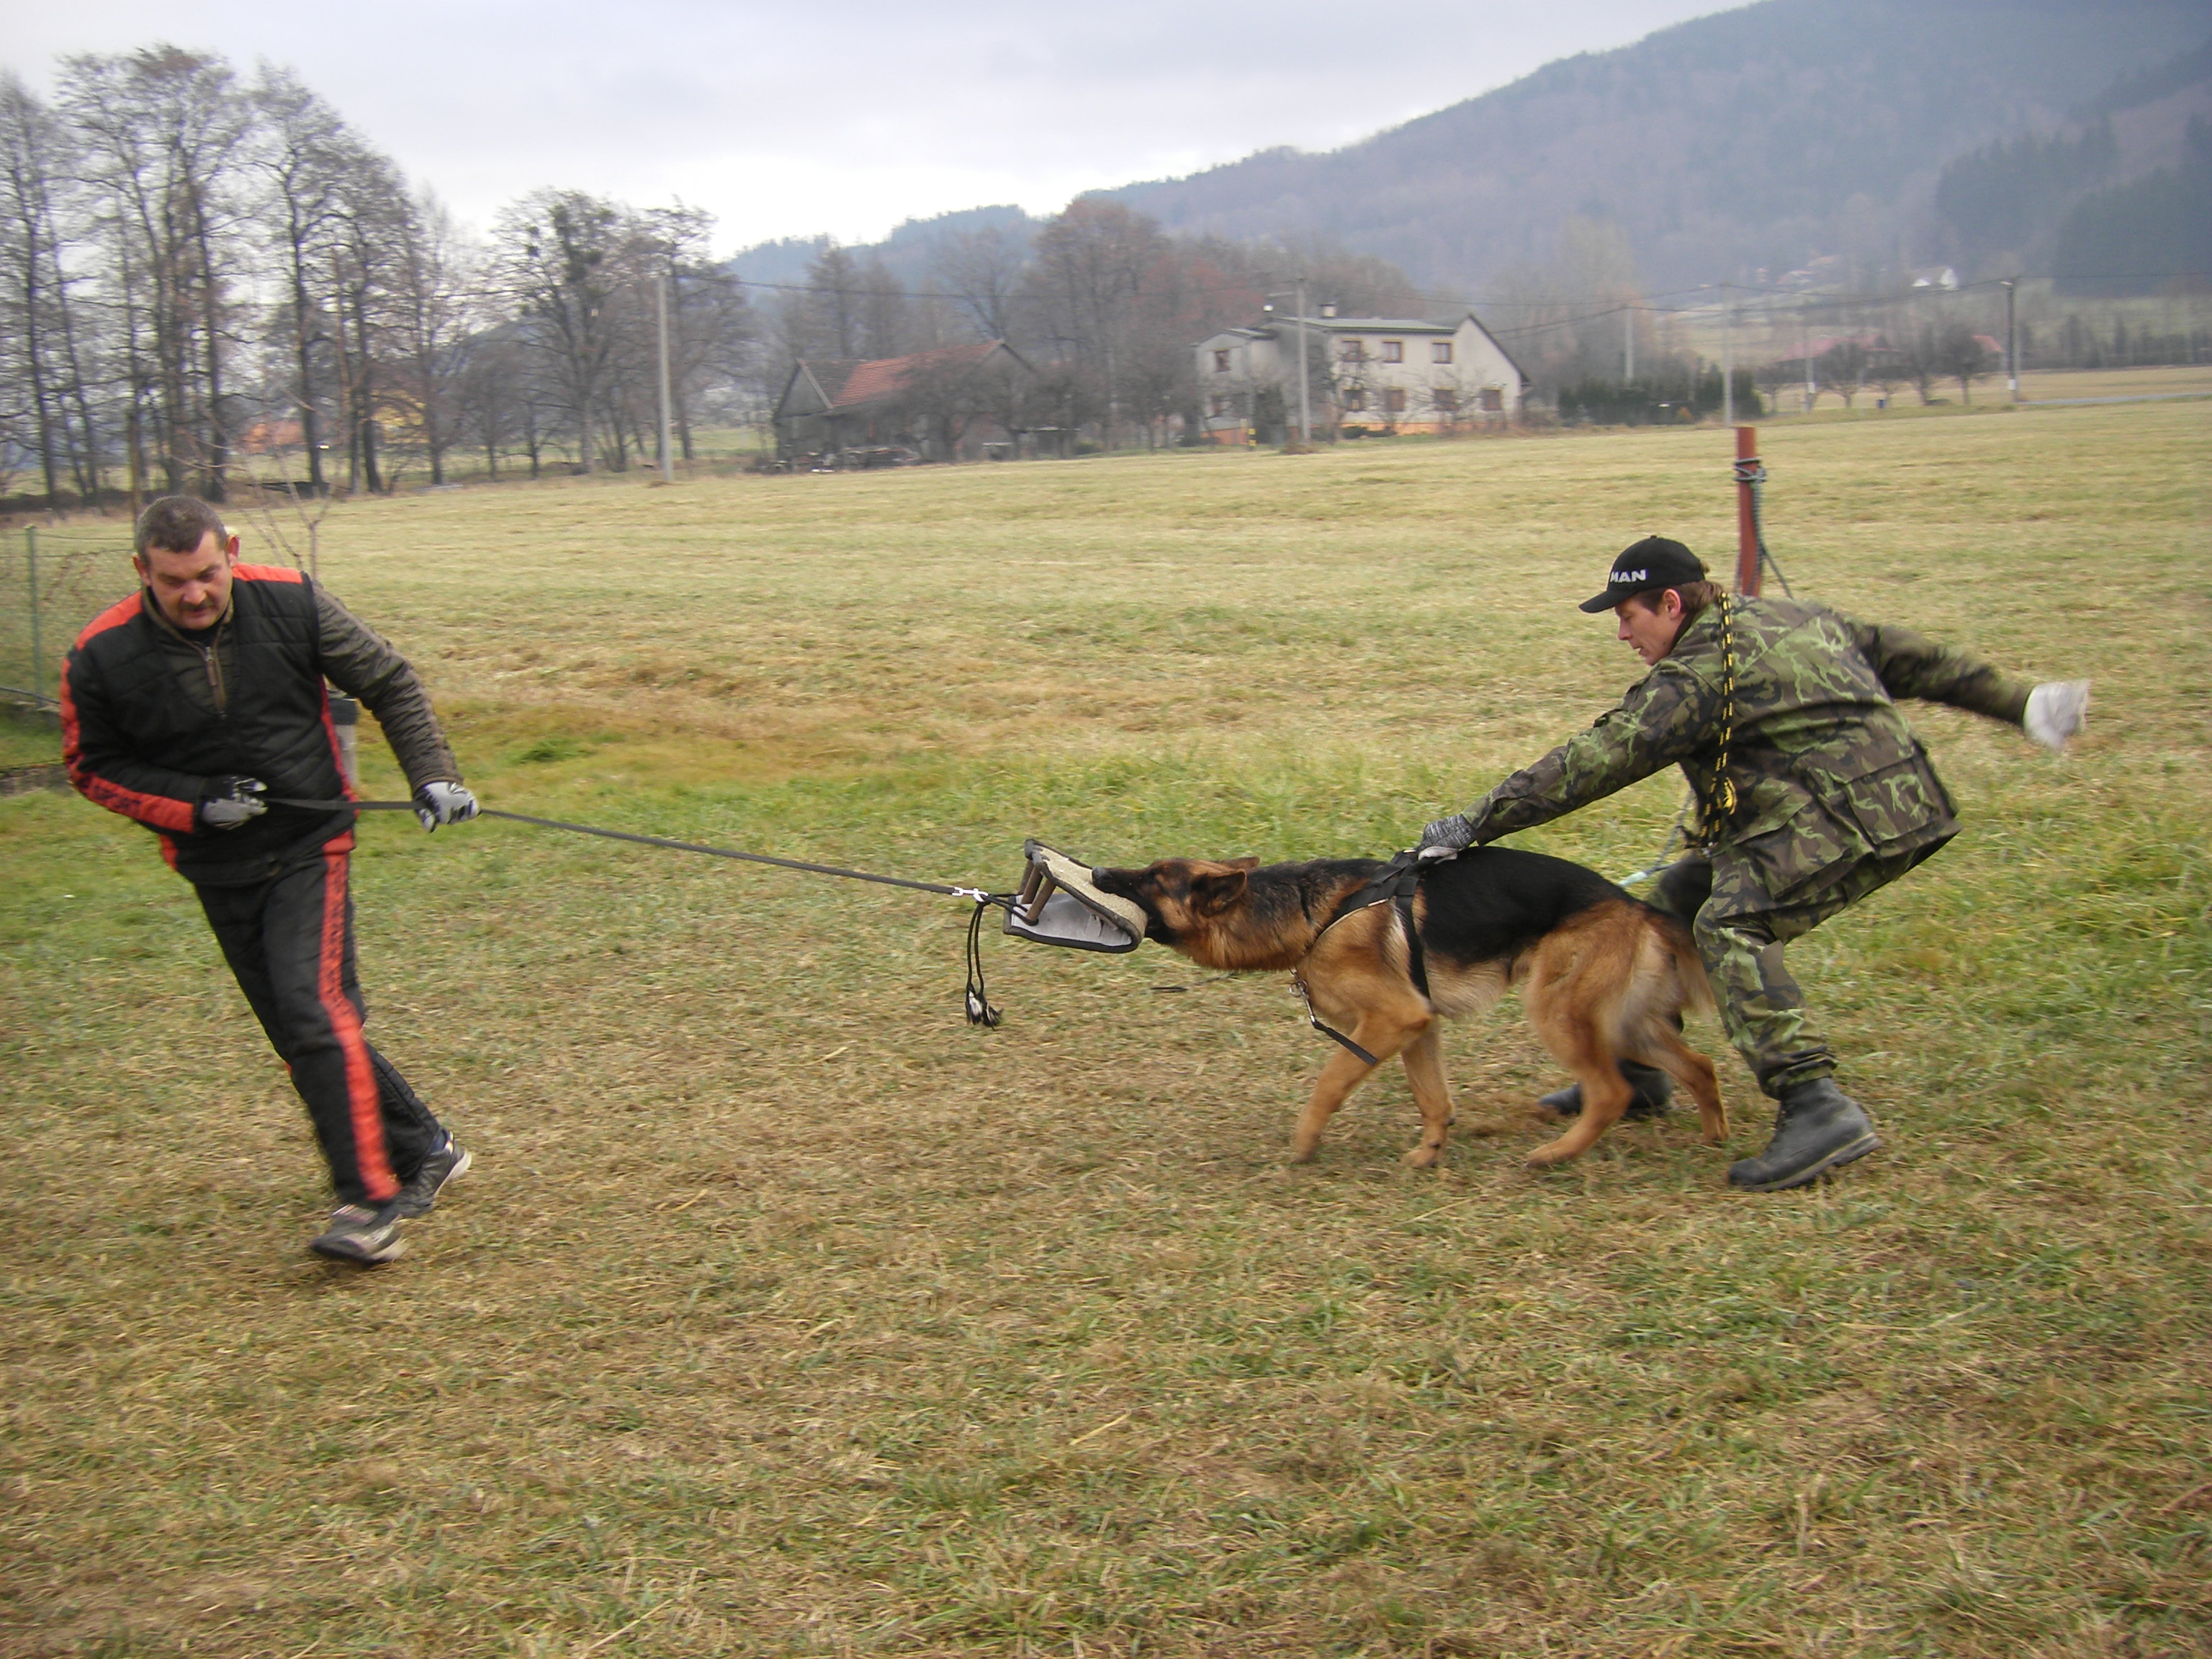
38	644
1747	520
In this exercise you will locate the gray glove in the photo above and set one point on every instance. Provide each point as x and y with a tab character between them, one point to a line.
229	801
1446	838
443	803
2055	712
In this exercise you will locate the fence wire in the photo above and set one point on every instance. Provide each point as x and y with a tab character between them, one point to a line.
54	578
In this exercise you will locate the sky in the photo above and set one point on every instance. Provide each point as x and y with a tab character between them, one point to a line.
802	119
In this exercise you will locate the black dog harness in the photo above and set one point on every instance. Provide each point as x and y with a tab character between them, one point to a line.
1399	879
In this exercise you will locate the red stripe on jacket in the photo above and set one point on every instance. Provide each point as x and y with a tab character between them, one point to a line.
159	810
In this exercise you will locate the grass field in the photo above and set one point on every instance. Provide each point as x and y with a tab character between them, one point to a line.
785	1314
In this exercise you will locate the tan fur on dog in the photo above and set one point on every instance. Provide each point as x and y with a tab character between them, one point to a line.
1603	977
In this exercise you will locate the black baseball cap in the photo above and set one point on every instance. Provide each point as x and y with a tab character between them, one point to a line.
1651	566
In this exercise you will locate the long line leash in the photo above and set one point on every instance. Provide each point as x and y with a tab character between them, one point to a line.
976	1002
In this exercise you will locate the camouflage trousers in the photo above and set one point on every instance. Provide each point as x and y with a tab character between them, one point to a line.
1740	932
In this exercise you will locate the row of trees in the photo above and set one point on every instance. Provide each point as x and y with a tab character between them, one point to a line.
197	268
1104	304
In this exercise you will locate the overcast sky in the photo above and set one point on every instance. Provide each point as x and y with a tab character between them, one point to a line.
797	119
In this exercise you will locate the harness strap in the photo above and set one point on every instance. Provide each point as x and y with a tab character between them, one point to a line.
1400	880
1298	984
1417	965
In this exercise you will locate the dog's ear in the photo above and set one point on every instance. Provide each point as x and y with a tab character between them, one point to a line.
1213	891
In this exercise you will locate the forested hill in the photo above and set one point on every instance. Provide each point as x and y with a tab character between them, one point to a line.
1752	139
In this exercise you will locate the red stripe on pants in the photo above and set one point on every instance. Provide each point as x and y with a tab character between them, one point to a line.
369	1156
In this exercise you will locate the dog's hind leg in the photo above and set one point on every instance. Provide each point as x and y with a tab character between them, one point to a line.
1667	1050
1382	1035
1423	1059
1572	1036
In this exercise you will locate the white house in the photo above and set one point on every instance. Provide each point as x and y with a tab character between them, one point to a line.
1379	373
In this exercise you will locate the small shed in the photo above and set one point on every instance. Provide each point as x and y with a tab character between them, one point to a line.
956	403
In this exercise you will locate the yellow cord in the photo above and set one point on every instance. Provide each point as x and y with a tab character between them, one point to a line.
1717	811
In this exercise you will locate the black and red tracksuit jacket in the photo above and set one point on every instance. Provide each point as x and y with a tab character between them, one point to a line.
151	712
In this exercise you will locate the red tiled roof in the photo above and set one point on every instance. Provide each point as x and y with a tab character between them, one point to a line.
886	377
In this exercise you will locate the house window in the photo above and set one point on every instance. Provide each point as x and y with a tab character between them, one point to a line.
1355	399
1445	399
1219	407
1353	351
1440	351
1221	362
1394	402
1393	351
1493	400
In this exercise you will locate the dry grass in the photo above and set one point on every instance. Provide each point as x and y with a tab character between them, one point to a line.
2172	381
786	1315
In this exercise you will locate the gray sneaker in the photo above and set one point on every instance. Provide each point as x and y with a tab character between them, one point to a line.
419	1196
357	1233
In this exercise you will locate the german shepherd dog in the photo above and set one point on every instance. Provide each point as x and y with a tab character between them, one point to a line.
1603	977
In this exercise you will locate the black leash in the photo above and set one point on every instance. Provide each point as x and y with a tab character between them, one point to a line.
1395	886
977	1003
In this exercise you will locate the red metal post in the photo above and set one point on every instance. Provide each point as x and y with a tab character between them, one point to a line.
1746	524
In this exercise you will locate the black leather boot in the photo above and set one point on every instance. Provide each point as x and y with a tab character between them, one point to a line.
1819	1127
1654	1089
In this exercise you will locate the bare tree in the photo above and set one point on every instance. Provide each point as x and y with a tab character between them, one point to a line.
367	262
983	268
1842	369
40	325
557	255
433	311
164	130
831	313
712	337
302	156
1091	264
1960	356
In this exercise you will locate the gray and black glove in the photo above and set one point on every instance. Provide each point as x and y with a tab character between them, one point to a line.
1447	837
443	803
229	801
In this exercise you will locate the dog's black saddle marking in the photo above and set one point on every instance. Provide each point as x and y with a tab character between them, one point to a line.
1395	886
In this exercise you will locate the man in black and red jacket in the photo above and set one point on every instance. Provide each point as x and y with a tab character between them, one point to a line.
197	708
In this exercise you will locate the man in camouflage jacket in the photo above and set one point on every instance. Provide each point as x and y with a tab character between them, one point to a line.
1812	792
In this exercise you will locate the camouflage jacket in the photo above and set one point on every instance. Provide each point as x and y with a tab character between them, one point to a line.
1827	772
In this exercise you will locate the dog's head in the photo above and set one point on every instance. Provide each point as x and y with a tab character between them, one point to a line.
1185	901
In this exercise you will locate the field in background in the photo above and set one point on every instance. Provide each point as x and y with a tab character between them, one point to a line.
2115	382
786	1314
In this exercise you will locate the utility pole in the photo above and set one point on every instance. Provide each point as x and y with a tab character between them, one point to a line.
38	644
1305	400
1805	348
1628	337
2012	339
667	459
1727	358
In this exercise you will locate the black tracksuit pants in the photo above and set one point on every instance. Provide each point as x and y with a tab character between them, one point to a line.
289	942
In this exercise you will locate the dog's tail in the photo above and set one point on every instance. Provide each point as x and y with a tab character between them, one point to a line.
1683	961
1665	979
